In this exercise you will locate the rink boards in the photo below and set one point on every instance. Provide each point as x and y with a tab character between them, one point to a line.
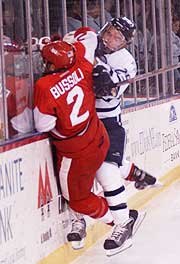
34	219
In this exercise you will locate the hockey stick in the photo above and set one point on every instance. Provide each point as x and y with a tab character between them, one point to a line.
149	74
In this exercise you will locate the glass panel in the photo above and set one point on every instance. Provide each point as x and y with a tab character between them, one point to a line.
39	37
75	16
176	50
1	103
110	9
38	18
17	71
55	17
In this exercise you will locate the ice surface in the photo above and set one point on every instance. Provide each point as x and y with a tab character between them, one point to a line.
156	242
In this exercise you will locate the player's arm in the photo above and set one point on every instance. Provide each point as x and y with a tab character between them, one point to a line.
43	122
87	37
23	121
125	68
108	79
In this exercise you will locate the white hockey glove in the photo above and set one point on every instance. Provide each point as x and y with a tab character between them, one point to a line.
69	37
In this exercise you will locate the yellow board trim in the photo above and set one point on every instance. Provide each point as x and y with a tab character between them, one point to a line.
65	254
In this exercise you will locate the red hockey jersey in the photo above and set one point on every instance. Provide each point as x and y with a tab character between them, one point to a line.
65	102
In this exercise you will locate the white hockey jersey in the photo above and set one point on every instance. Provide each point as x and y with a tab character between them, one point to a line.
124	67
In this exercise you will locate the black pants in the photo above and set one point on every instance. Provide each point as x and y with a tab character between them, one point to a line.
117	138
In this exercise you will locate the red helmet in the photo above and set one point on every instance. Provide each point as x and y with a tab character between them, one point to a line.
59	53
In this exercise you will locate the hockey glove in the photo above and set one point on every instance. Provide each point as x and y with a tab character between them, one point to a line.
102	82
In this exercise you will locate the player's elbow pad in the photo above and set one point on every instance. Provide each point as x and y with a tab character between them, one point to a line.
43	122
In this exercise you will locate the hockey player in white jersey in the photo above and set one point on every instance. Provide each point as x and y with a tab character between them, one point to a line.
114	64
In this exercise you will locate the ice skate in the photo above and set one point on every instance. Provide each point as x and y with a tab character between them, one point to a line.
77	234
138	219
120	239
156	184
144	180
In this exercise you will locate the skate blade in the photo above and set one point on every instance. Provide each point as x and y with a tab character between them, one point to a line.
127	244
157	184
139	220
78	244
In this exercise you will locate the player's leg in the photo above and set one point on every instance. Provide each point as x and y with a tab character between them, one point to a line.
76	179
110	178
126	221
108	175
77	233
114	191
129	171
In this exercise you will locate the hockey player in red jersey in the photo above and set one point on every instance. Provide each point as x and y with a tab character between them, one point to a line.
64	106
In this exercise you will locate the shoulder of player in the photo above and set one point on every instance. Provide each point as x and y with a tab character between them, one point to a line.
125	56
80	49
84	33
120	58
45	81
124	52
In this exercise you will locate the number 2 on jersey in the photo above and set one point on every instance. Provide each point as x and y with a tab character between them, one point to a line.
74	116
